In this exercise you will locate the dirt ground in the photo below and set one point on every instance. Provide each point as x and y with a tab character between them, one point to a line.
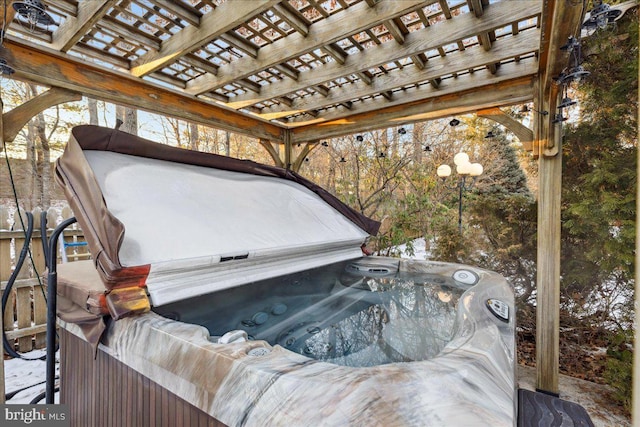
595	398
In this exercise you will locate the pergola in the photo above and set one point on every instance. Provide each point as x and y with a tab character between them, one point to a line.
294	72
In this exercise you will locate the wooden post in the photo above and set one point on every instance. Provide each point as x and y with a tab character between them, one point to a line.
288	150
39	301
548	270
560	19
548	292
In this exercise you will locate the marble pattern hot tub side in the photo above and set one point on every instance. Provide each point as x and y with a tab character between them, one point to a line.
466	384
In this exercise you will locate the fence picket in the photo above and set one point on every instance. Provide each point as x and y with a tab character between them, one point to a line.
26	314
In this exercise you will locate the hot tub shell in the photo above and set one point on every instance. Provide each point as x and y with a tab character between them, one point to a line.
153	370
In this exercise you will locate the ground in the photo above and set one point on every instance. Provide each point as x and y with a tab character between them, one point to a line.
595	398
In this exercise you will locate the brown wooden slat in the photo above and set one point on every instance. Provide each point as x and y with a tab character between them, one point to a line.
23	307
40	315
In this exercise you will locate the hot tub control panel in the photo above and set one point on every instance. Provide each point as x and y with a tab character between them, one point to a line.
498	308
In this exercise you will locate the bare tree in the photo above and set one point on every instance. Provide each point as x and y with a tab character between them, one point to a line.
129	119
92	106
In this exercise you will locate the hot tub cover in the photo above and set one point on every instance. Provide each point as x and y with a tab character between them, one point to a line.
185	223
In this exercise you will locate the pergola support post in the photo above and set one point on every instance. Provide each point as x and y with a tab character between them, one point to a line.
288	149
548	264
548	274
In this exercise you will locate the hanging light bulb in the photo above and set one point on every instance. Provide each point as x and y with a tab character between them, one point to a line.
601	16
525	109
32	13
5	68
567	102
574	74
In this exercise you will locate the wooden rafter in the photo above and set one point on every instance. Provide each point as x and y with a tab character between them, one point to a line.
418	41
6	11
520	45
73	29
299	67
222	19
508	92
328	31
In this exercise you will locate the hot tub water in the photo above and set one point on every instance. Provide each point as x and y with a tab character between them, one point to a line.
341	313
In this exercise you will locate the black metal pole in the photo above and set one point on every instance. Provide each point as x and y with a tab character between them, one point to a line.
52	296
460	187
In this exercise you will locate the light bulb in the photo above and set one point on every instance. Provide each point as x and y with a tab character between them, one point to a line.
461	158
464	168
443	171
476	169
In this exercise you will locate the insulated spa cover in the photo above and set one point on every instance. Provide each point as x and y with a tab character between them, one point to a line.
183	223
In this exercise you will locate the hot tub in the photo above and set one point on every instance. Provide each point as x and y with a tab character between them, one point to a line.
265	312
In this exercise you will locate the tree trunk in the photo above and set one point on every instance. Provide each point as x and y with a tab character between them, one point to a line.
92	105
129	118
31	180
194	137
44	164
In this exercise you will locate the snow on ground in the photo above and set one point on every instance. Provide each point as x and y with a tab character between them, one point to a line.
27	377
419	250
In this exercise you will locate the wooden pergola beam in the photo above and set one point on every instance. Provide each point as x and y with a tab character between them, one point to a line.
424	92
74	28
15	119
55	69
438	67
294	21
9	12
514	91
223	18
178	9
415	42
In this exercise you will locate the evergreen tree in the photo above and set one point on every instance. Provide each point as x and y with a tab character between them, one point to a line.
599	199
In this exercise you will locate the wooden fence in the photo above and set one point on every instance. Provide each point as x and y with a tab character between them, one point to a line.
25	316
